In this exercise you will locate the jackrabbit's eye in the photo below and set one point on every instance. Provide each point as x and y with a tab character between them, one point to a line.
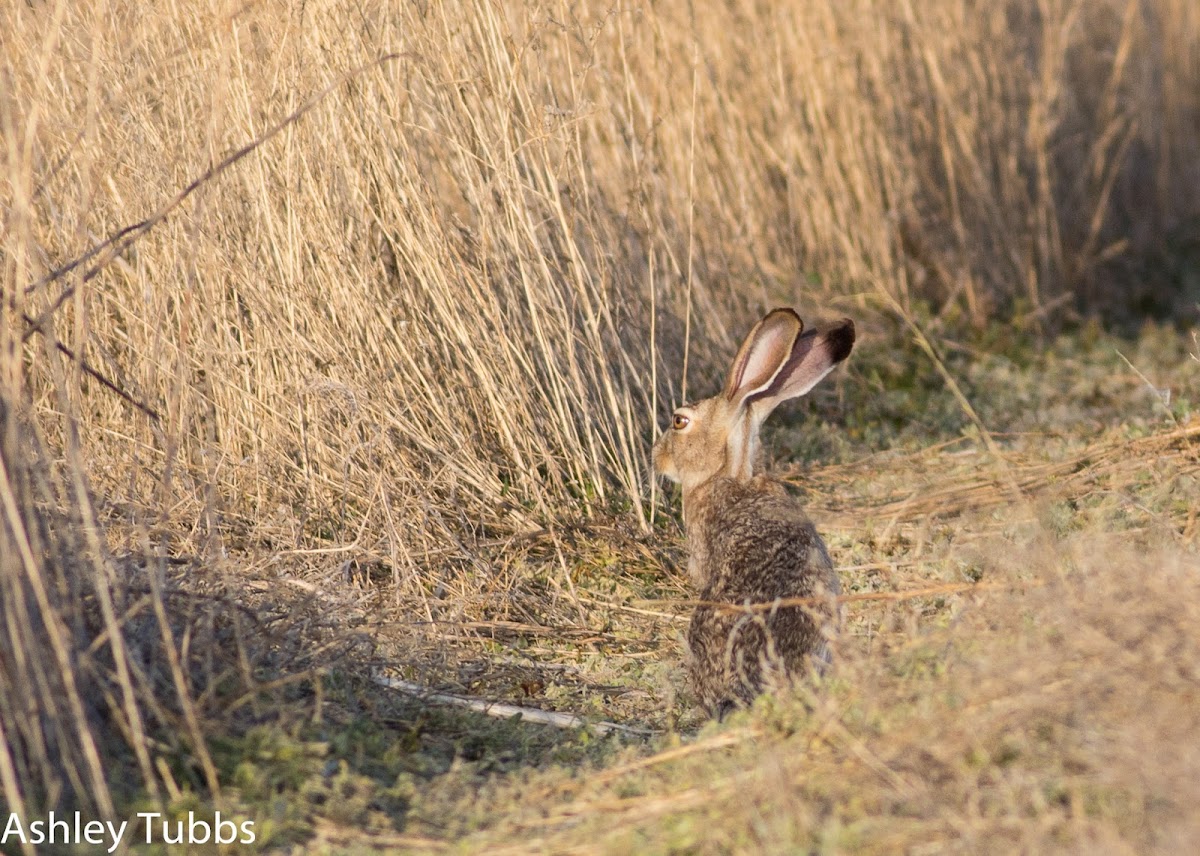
679	422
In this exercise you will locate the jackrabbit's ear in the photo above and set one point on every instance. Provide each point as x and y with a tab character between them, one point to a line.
762	356
813	356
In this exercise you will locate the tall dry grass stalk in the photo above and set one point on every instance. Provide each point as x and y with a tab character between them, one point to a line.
54	582
446	304
436	287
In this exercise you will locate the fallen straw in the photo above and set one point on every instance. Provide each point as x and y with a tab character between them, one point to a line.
506	711
857	597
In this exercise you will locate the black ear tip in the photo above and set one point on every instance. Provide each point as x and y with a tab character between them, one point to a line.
841	339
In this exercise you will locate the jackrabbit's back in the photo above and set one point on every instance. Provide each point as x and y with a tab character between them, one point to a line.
753	544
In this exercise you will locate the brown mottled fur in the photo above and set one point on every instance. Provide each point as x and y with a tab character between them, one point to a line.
749	542
756	545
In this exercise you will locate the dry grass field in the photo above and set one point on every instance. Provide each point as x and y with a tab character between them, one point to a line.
336	335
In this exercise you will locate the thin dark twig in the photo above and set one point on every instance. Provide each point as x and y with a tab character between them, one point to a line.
120	241
124	238
104	381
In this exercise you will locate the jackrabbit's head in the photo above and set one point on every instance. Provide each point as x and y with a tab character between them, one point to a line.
720	435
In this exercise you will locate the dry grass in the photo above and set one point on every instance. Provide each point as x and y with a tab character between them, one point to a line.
1048	708
971	738
346	326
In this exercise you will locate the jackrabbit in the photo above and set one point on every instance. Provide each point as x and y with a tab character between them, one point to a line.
749	542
